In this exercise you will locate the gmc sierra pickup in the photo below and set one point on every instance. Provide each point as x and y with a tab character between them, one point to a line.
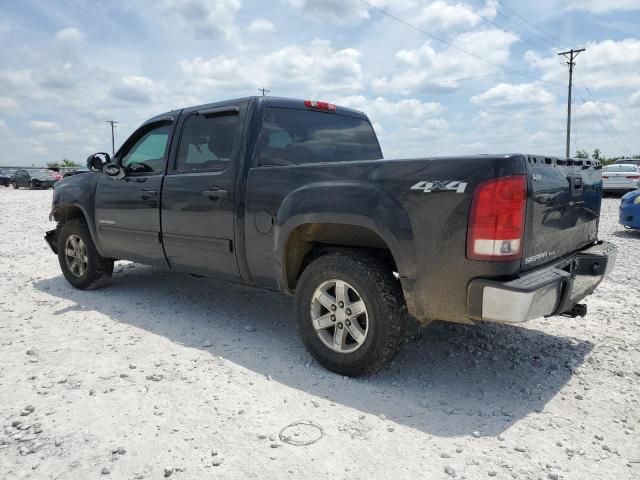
294	195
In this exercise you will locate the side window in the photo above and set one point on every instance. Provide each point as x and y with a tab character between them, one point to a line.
207	142
148	152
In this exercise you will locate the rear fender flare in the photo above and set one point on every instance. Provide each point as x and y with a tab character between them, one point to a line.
347	203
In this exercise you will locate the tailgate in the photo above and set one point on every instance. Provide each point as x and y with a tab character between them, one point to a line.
563	207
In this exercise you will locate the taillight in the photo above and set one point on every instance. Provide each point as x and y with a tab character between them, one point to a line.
320	105
604	176
496	222
634	177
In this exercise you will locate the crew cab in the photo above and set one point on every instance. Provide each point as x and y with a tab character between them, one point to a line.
295	196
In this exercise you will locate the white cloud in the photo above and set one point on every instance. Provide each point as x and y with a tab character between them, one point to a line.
603	6
206	18
403	126
69	35
591	109
596	64
634	99
445	16
43	125
339	11
7	103
425	69
510	95
316	67
135	89
261	25
409	110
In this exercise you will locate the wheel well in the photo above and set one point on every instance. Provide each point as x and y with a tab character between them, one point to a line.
310	241
64	214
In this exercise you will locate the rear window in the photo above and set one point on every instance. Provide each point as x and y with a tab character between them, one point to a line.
620	168
291	137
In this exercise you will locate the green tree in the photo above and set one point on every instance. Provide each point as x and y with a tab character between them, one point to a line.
597	154
68	163
582	154
53	164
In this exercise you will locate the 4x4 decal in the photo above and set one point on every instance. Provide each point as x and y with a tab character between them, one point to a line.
440	186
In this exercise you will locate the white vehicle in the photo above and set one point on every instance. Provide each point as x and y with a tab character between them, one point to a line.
621	177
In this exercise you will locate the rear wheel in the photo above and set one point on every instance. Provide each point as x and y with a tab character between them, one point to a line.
351	313
81	264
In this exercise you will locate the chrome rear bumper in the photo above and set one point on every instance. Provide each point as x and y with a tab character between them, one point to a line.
543	292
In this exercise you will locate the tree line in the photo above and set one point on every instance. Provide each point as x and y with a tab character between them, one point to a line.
598	155
65	163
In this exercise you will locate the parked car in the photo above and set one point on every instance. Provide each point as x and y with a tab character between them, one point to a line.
55	174
5	178
620	177
630	210
634	161
33	178
294	195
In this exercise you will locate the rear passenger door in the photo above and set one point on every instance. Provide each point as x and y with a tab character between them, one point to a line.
198	194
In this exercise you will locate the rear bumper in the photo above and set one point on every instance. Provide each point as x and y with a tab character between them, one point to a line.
542	292
630	215
624	187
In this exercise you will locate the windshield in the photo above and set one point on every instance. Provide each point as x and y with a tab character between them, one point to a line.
620	168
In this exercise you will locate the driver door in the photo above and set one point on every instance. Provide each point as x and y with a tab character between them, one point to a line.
128	209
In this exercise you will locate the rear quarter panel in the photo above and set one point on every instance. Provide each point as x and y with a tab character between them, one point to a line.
425	231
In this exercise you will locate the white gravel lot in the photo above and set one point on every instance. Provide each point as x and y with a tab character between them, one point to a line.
159	371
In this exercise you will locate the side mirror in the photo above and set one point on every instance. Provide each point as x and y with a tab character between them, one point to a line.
113	170
97	161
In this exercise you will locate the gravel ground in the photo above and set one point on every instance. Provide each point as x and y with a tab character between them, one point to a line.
162	374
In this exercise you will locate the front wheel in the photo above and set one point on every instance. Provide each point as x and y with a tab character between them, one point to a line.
351	313
81	264
15	185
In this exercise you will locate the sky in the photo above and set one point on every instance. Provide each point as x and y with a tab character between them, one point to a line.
435	77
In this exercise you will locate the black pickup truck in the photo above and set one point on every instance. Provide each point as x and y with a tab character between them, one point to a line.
294	195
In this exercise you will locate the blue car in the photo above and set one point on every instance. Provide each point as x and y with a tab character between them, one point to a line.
630	210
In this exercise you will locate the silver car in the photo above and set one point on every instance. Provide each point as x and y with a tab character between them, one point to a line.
621	177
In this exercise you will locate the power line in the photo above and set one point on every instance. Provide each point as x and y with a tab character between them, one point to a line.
451	45
488	20
264	91
562	42
602	124
604	116
526	29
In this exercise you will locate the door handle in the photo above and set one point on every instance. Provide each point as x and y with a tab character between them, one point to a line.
216	193
148	194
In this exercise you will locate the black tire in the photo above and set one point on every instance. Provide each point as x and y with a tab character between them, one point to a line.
384	301
15	185
98	269
32	185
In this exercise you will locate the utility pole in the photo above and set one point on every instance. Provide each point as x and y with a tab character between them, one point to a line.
113	141
264	91
570	55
